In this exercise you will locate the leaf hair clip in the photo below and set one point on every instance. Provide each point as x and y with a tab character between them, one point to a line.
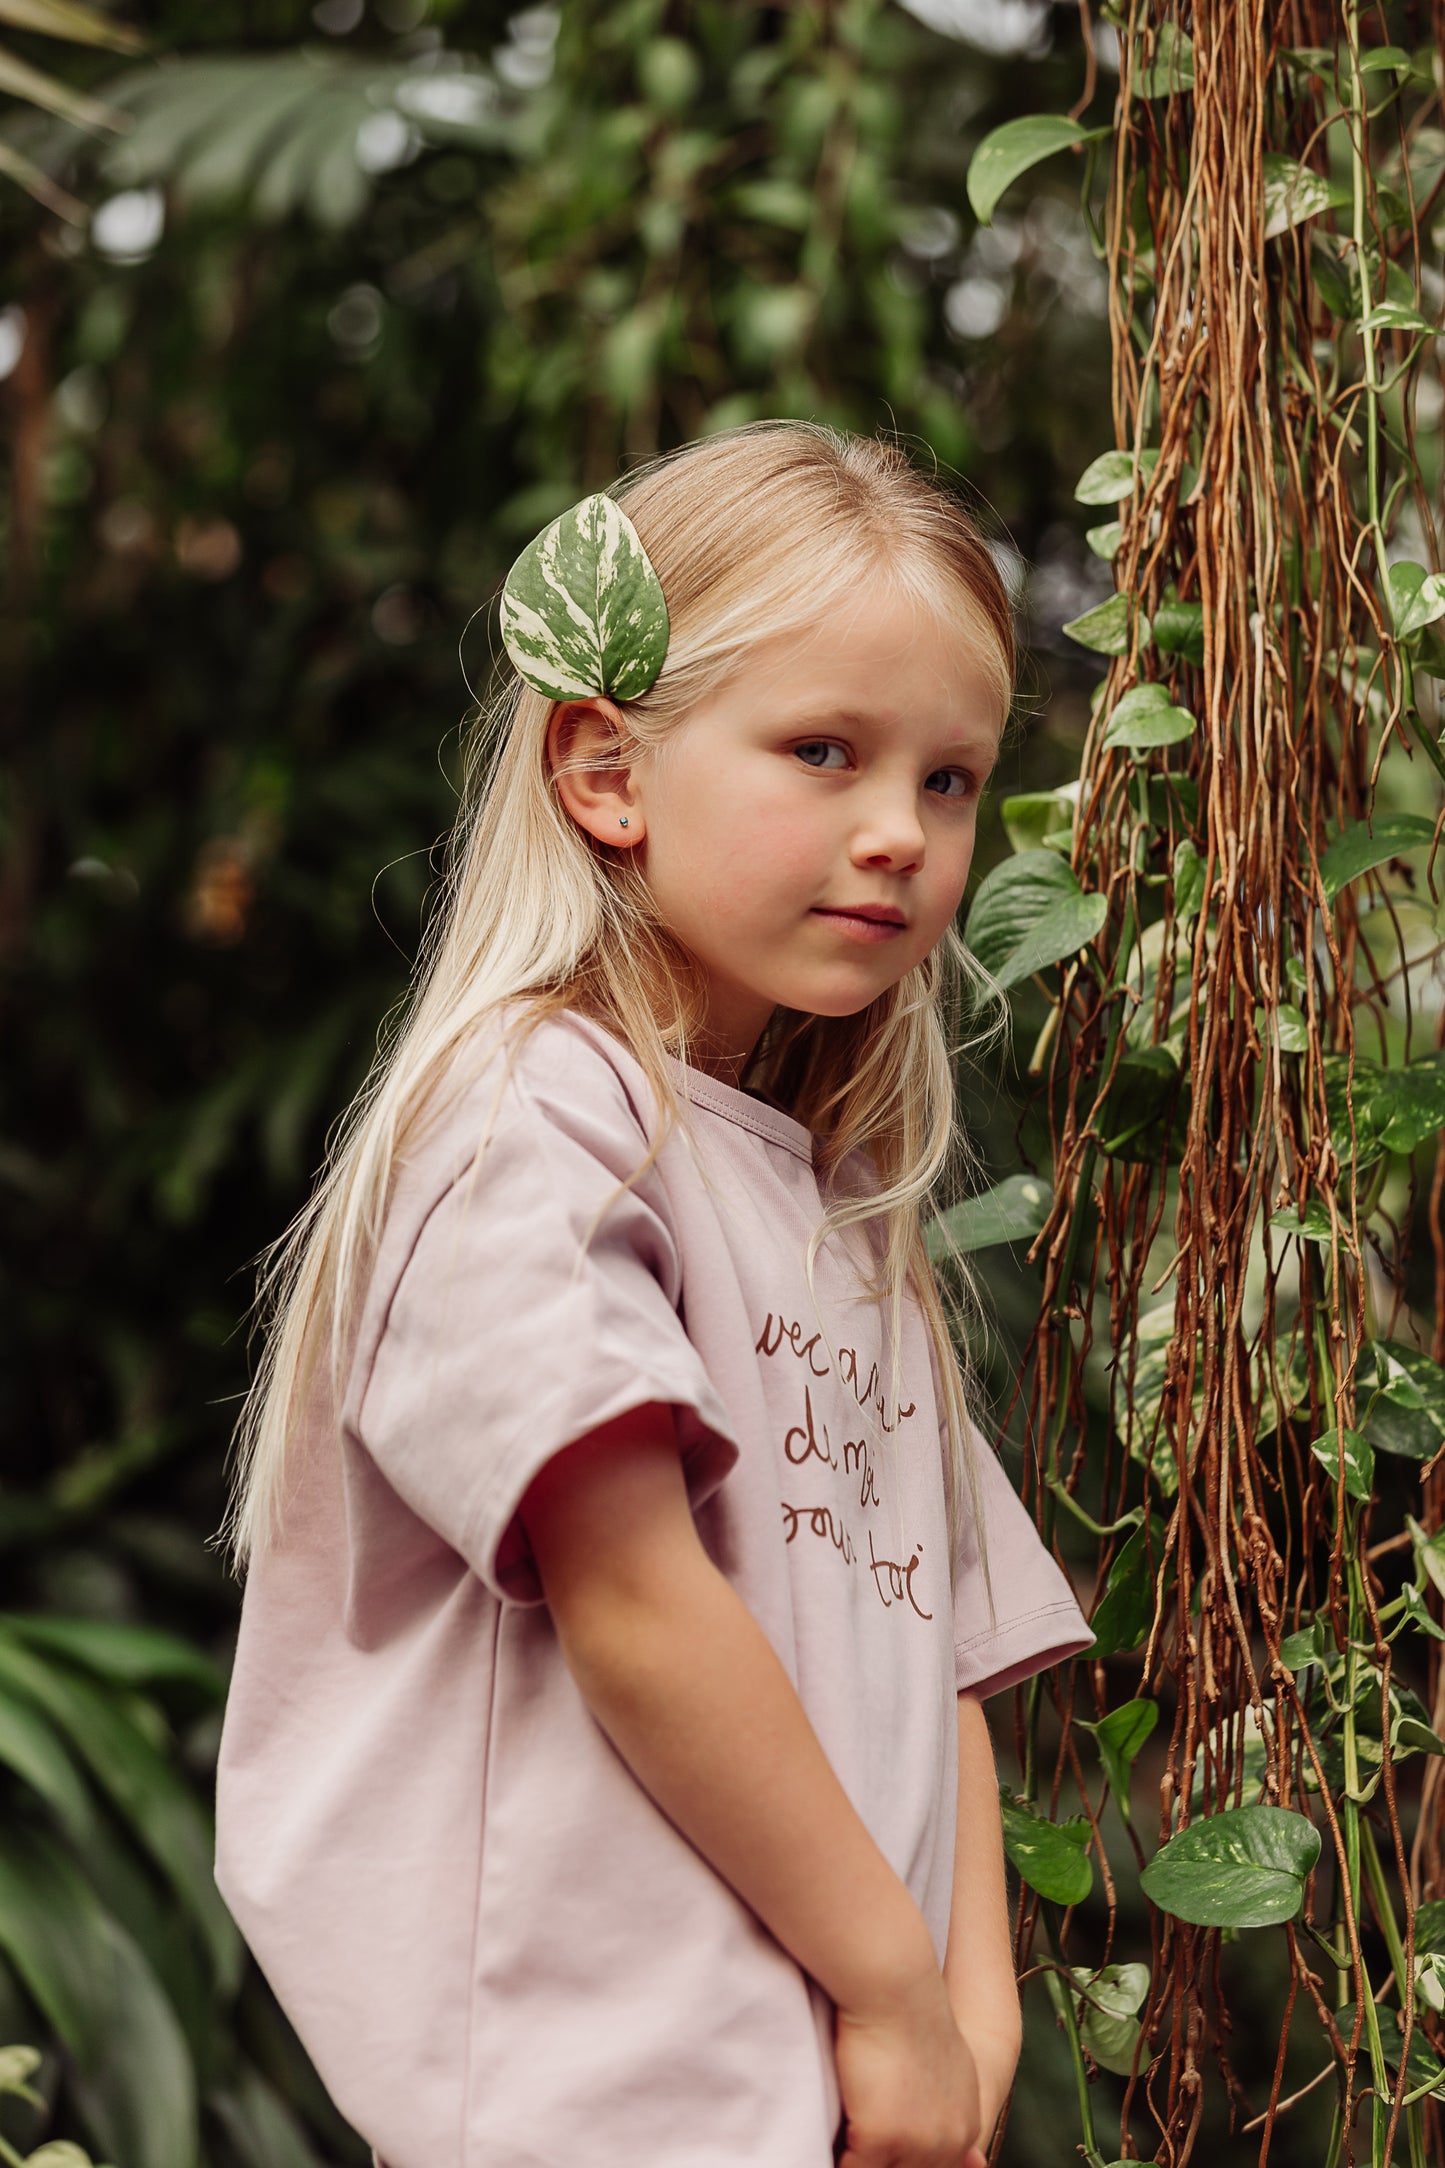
582	609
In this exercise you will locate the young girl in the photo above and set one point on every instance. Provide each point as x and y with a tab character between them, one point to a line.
604	1781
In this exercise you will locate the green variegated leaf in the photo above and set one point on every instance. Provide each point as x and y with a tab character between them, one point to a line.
1350	1451
582	609
1293	193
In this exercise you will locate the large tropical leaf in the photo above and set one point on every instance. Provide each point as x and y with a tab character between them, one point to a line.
158	1808
132	2075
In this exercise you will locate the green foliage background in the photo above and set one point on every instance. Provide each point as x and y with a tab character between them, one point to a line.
425	276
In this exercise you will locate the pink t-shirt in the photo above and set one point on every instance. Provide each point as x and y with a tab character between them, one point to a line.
498	1950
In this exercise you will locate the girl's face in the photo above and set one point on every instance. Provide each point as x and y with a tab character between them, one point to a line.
807	832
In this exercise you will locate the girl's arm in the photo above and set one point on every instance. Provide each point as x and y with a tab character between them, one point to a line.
687	1686
978	1967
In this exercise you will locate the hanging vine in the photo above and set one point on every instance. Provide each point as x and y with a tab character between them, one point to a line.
1242	1065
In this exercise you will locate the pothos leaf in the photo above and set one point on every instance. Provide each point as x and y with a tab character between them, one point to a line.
1031	912
1052	1857
1012	1211
1008	151
1107	629
1107	2006
1352	1450
1294	193
1120	1738
582	609
1245	1867
1125	1611
1363	845
1111	477
1171	70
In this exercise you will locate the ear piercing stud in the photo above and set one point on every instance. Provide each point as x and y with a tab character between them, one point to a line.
622	821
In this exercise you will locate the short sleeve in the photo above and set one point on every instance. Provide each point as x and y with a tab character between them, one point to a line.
1035	1621
539	1300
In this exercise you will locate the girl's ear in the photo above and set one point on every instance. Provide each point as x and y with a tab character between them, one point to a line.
584	752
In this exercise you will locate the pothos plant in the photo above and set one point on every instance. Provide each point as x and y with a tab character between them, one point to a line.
1236	916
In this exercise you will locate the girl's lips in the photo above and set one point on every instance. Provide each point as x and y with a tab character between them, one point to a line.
858	928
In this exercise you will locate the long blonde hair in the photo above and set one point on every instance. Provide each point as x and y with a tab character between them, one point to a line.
751	533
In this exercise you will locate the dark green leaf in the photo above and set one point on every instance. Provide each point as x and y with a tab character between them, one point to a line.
1245	1867
1188	881
133	1655
1144	1107
132	2074
1012	1211
1125	1611
1052	1857
159	1808
1179	630
31	1747
1366	844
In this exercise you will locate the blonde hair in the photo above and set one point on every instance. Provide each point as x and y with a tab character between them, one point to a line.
750	532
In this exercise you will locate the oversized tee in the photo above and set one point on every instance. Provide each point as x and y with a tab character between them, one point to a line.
498	1950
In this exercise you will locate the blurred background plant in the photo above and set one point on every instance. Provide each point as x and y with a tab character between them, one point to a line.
362	293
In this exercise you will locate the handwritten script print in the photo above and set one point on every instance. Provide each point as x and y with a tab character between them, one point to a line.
849	1461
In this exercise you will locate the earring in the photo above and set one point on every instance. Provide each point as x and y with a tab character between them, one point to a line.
622	821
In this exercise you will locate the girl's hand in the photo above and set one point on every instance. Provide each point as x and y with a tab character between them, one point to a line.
908	2082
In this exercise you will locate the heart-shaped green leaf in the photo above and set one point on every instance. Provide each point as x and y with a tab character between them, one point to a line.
1031	912
1052	1857
1008	151
1111	476
1146	716
1311	1225
1012	1211
1107	629
1245	1867
582	609
1107	2005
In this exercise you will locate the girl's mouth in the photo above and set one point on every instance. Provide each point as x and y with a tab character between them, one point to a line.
859	927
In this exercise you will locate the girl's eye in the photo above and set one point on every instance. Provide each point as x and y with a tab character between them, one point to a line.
816	751
951	783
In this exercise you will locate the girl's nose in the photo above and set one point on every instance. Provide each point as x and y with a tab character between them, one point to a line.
891	838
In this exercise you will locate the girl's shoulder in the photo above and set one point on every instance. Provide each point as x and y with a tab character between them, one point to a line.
522	1067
